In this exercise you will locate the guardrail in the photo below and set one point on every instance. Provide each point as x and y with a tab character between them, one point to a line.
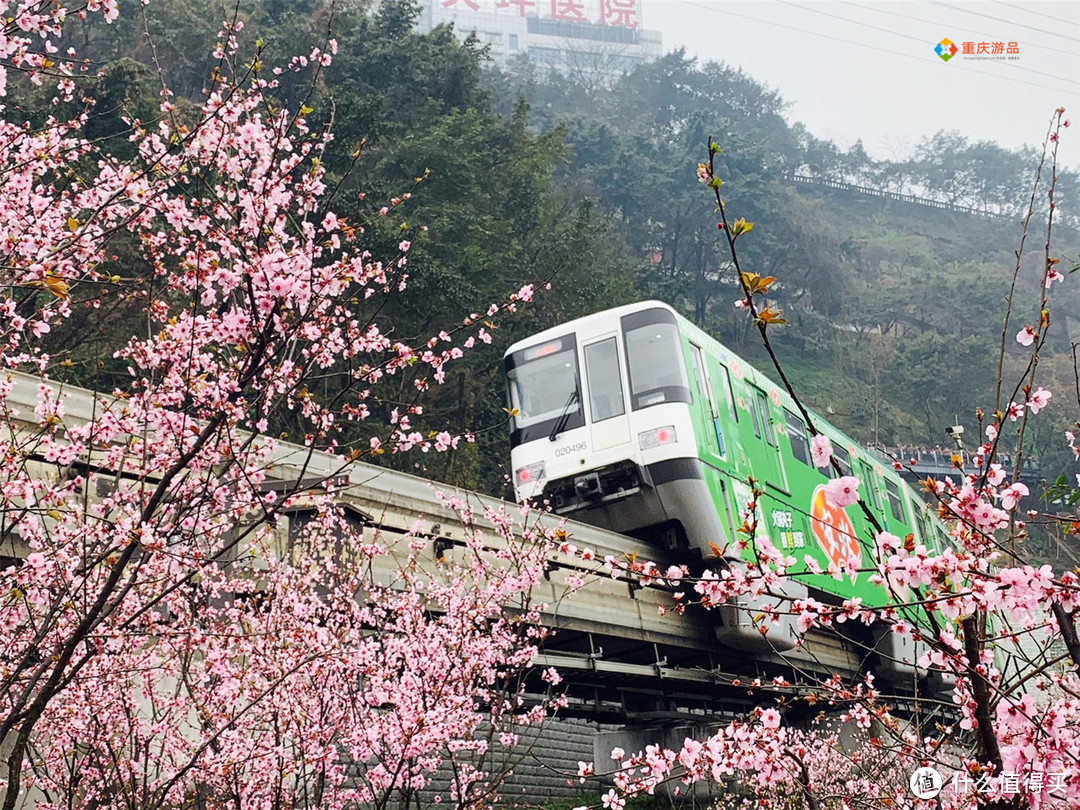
894	195
617	647
919	462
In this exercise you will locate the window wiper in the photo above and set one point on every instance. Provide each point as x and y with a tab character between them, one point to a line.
565	415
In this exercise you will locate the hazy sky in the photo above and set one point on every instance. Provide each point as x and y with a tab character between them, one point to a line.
868	69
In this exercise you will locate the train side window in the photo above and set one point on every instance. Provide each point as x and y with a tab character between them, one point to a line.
869	482
729	392
916	521
796	431
604	380
842	459
760	412
895	507
927	521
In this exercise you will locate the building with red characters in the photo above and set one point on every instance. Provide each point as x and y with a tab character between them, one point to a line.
593	40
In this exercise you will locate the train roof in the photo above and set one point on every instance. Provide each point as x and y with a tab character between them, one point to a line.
614	312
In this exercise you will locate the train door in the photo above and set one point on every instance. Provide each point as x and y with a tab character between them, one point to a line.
713	441
604	379
771	464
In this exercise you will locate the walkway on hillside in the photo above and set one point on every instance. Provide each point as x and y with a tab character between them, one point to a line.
806	180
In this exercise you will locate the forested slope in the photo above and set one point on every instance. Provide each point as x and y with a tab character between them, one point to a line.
895	309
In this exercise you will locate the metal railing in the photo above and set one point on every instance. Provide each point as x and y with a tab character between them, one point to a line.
912	199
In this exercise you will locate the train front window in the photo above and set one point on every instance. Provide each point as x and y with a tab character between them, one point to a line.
544	389
654	359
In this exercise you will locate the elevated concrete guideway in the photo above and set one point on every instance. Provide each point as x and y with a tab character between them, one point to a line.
620	654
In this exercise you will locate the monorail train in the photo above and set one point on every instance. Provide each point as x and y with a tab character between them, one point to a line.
635	420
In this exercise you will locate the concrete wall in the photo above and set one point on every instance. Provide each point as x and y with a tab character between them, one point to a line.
544	764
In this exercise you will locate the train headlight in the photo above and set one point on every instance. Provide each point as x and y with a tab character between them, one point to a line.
527	475
657	437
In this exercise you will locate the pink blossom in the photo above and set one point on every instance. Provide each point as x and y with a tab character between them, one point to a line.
1026	336
842	491
1011	496
770	718
1039	399
551	676
821	450
888	543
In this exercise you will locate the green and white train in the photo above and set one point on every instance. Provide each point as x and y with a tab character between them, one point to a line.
635	420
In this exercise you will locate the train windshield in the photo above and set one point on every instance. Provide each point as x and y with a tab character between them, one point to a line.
545	389
654	359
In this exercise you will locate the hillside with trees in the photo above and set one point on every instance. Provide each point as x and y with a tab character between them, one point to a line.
513	177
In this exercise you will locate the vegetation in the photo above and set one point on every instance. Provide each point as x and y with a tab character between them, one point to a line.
526	177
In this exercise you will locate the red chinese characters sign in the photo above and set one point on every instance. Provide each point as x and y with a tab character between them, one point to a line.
618	13
521	7
572	10
622	13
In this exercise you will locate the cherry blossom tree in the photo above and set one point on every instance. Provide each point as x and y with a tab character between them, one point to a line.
168	637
